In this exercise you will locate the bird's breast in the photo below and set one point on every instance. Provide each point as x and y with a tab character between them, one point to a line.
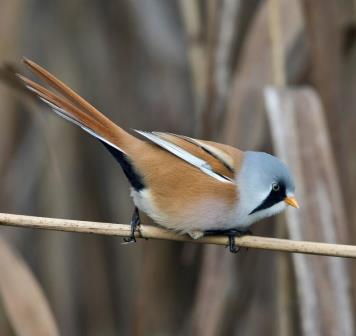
187	213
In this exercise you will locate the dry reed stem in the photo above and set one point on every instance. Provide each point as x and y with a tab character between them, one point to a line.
274	26
152	232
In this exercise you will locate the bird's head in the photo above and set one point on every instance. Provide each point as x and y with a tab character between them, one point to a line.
265	185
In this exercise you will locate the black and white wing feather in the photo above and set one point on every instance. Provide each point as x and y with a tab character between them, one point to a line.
183	154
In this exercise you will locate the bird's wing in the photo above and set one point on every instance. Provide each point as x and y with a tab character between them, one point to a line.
223	153
212	161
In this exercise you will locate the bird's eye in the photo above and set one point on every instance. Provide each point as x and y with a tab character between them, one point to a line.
276	187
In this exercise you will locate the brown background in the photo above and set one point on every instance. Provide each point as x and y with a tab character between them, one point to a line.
149	65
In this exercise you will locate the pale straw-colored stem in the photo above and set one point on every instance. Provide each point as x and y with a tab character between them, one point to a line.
274	26
152	232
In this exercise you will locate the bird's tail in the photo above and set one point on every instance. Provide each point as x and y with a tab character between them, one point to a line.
69	105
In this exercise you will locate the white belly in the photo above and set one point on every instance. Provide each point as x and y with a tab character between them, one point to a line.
207	215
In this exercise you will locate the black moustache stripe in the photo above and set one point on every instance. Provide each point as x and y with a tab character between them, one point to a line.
273	198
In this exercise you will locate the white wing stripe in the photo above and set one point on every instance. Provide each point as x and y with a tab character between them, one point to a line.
215	152
184	155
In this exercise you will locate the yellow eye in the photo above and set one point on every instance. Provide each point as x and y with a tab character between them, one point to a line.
276	187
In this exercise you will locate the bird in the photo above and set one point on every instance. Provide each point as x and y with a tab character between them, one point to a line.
187	185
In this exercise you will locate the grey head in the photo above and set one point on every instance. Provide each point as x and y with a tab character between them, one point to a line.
265	187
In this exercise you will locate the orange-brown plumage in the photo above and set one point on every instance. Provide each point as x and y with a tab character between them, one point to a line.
177	188
178	191
77	106
182	183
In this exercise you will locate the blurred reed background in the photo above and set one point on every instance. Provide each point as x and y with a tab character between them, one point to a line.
197	68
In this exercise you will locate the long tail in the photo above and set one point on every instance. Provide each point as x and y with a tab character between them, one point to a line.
70	106
74	108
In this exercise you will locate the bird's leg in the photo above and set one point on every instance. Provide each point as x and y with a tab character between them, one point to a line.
231	233
135	222
232	245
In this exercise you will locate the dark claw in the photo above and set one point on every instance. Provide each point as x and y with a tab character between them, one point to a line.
135	222
231	233
232	245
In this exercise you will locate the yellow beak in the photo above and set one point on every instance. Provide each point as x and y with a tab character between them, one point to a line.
291	201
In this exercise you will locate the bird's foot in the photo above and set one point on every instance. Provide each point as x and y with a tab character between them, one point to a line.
135	222
232	234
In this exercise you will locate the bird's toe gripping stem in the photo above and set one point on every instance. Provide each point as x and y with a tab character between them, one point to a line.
135	222
232	234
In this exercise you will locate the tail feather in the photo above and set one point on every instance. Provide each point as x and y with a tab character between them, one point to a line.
59	111
62	103
65	91
74	108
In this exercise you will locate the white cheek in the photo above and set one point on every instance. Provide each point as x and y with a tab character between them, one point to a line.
277	208
245	219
